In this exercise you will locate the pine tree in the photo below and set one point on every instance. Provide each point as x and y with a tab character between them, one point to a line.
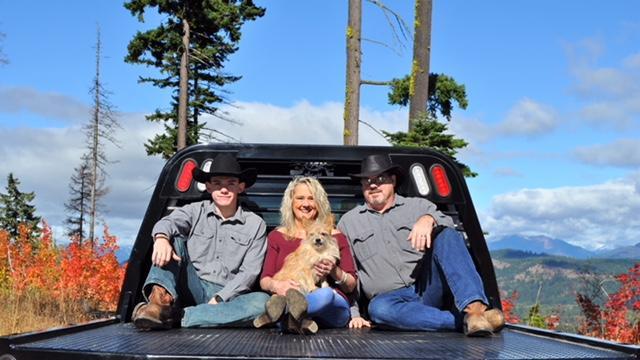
77	207
16	210
189	49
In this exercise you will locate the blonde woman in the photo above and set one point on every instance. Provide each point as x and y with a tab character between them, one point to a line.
304	202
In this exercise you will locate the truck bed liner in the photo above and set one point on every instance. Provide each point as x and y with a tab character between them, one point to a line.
123	341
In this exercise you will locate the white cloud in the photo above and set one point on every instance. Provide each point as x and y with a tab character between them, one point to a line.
502	172
528	118
611	93
43	158
47	104
601	215
304	123
621	153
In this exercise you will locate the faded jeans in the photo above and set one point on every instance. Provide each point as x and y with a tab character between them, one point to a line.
328	308
447	267
183	283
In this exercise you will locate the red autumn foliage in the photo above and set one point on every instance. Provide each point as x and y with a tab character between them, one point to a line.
552	322
508	306
79	272
591	325
619	319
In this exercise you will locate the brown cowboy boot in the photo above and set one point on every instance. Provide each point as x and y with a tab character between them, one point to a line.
274	311
303	327
495	317
475	323
158	313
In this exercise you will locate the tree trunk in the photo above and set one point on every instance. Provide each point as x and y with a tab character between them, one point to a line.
184	83
94	147
354	56
419	84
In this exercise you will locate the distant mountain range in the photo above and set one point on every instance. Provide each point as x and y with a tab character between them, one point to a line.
546	245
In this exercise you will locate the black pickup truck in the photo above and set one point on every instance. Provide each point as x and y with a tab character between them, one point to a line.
431	175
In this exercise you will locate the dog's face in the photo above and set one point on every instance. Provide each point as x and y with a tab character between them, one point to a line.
320	240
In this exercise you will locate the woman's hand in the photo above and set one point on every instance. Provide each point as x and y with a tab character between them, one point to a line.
163	252
280	287
324	268
359	322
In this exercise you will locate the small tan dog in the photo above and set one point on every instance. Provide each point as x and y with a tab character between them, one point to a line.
298	266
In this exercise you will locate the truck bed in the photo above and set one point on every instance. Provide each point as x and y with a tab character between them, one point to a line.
122	341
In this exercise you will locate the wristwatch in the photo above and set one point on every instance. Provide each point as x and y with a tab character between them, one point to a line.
219	300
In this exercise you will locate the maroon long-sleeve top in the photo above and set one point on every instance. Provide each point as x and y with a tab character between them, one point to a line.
278	247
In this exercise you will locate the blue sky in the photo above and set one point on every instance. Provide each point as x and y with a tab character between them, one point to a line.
553	120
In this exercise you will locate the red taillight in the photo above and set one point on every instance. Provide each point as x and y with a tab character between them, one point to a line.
186	175
439	176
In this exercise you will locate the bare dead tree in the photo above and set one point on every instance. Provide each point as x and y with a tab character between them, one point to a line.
100	130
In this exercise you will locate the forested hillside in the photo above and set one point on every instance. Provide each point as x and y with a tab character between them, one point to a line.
554	281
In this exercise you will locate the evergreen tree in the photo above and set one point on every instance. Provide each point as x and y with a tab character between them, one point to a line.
15	209
77	207
427	130
211	32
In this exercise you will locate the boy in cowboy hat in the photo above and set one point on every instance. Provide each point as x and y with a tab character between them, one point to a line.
390	235
206	254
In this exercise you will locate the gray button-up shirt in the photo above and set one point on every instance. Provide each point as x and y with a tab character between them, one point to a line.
228	252
384	256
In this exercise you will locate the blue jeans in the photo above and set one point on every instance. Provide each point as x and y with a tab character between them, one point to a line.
328	308
183	283
447	266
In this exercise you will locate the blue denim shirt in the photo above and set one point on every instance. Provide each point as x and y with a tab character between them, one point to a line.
228	252
383	254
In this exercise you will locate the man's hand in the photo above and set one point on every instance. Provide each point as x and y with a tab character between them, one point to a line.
214	300
280	287
163	252
359	322
324	267
420	235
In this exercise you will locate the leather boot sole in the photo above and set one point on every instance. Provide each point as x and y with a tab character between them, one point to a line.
144	322
275	307
296	304
477	326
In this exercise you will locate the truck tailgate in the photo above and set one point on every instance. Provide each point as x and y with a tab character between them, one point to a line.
123	341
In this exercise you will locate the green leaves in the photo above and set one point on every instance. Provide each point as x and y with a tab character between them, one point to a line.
214	35
432	134
428	131
15	209
443	91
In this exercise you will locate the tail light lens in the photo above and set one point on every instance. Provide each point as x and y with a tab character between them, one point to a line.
439	176
420	178
206	166
185	177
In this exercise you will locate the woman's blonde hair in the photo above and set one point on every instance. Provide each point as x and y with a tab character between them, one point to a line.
287	218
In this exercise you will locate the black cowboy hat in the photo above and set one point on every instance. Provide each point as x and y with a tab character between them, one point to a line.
374	165
225	164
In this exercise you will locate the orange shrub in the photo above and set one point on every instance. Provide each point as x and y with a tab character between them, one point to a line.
80	272
508	306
